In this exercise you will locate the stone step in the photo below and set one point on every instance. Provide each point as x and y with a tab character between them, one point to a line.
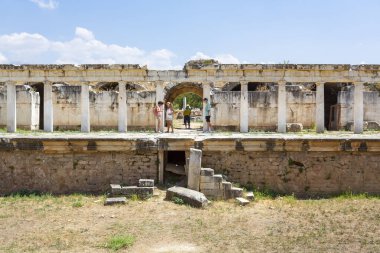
250	196
146	182
117	200
115	189
236	192
207	172
242	201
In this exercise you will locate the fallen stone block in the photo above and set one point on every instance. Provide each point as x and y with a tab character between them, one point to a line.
207	172
294	127
115	189
236	192
141	192
117	200
242	201
191	197
250	196
146	182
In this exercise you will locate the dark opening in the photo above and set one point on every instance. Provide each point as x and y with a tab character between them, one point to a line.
332	110
175	168
39	87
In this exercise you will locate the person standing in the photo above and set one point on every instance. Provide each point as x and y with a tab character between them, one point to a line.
158	113
207	114
186	116
169	116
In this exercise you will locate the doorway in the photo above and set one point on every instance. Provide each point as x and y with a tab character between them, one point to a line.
39	87
174	170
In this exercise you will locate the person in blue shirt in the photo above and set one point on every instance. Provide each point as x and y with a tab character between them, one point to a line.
207	114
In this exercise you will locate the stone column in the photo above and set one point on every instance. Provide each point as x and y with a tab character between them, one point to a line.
281	105
161	161
85	108
184	103
244	117
11	107
195	164
160	97
358	108
122	109
320	107
48	107
206	94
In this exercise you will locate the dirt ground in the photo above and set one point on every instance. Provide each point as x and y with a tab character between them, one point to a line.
78	223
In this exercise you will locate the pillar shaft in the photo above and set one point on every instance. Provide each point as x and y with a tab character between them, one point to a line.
160	97
358	108
206	94
122	99
85	108
11	107
161	161
244	117
281	103
48	107
320	108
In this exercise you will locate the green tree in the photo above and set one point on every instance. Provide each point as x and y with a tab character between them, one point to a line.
192	99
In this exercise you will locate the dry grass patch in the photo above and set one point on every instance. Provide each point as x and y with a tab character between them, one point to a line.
47	223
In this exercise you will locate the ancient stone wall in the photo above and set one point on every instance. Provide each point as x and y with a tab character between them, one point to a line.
28	107
371	104
304	173
103	109
58	173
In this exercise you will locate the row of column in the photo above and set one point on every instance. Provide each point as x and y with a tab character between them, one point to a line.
48	107
320	108
244	107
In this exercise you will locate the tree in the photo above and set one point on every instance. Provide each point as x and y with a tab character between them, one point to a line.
192	99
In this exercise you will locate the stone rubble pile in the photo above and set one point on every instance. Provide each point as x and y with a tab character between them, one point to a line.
118	193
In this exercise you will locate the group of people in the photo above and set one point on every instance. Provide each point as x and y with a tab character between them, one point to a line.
159	111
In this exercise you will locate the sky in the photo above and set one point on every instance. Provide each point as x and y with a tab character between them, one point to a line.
165	34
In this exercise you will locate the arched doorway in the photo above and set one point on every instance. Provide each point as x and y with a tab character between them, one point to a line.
192	93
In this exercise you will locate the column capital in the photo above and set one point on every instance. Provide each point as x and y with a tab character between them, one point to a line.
282	82
244	82
319	83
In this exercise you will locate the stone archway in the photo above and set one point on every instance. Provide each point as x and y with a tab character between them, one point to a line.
174	91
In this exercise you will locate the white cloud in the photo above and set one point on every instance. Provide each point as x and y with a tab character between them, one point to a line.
84	48
222	58
84	34
46	4
3	59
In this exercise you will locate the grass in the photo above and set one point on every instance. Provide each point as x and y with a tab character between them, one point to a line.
272	223
117	242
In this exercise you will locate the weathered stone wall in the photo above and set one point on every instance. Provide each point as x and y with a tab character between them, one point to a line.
263	108
103	109
73	172
27	107
302	173
371	101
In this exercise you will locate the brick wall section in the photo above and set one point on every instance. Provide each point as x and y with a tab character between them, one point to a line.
302	173
90	172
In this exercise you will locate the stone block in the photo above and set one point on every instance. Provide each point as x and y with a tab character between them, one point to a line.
213	193
242	201
113	201
194	169
250	196
207	172
236	192
218	178
115	189
141	192
206	179
227	185
146	182
191	197
211	186
227	194
294	127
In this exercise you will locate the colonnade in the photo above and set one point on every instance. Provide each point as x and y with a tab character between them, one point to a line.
244	106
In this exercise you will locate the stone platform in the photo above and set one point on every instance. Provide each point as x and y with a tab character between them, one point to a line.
304	164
